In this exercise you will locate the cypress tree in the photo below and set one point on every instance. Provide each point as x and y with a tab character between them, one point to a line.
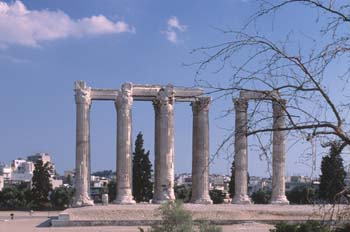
332	179
142	172
231	186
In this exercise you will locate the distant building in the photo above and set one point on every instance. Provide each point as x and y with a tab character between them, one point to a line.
256	183
184	179
22	170
1	182
296	181
98	186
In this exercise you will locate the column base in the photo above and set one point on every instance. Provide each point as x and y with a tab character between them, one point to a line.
125	200
85	201
203	201
158	201
280	200
165	197
241	199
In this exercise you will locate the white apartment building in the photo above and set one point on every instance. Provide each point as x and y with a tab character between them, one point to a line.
21	170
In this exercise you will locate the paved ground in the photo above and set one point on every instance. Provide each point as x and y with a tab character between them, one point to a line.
38	222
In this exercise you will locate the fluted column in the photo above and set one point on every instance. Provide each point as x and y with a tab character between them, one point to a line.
279	153
241	161
82	176
200	152
157	178
124	146
164	150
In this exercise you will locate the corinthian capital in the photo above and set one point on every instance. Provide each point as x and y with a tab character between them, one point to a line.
166	95
125	98
82	93
201	104
241	104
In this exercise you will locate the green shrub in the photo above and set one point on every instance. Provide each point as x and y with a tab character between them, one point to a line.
301	195
344	228
309	226
12	198
176	219
261	197
61	197
204	226
217	196
183	193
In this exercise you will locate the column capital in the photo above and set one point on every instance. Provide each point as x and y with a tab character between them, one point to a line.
201	104
166	95
241	104
125	99
82	93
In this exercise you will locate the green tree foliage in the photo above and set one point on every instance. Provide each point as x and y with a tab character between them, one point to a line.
61	197
332	179
41	185
112	190
183	193
231	186
217	196
261	197
176	219
301	195
12	198
142	172
69	180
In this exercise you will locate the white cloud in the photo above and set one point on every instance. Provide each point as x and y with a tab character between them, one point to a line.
18	25
174	26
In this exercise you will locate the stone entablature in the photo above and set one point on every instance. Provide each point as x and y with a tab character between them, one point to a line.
163	98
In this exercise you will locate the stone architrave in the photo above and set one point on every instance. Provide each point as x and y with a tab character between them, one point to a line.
241	161
82	176
164	150
124	146
278	153
200	151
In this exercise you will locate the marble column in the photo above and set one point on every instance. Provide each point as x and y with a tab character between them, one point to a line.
278	153
82	176
157	178
124	146
200	152
241	161
164	134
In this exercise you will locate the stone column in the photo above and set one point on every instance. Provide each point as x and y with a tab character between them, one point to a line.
164	135
278	153
200	152
124	146
241	161
157	178
82	176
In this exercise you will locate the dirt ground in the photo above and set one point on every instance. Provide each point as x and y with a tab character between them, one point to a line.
39	222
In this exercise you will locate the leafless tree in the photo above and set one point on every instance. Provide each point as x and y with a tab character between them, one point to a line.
303	67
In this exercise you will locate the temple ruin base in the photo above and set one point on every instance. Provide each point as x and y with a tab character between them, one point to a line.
147	214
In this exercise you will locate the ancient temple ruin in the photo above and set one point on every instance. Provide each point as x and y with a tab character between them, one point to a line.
163	98
278	148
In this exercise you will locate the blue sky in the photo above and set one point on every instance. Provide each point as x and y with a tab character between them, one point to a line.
46	45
